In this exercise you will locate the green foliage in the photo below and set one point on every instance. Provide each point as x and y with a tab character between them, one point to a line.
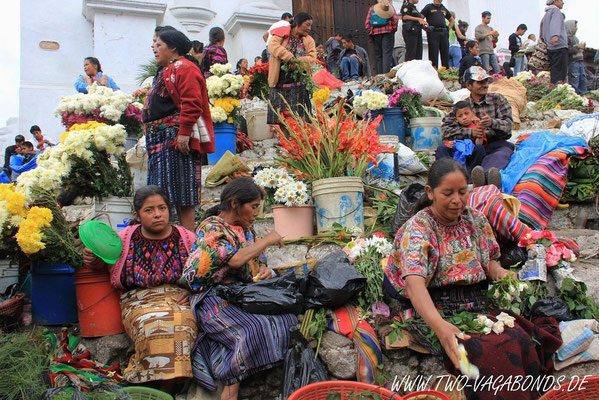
369	265
295	72
146	70
575	295
318	326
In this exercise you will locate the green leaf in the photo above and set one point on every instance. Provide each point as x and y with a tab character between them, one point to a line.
392	337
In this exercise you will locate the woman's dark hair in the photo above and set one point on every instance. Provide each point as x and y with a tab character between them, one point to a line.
94	61
438	171
198	46
142	194
239	191
177	40
300	18
161	28
216	35
237	66
470	44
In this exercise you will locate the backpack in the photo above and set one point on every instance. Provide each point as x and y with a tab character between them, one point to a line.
376	21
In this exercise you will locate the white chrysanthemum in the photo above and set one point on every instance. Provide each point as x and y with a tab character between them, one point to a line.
4	214
220	69
218	114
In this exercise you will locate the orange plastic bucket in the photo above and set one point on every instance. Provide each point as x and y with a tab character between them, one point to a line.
98	303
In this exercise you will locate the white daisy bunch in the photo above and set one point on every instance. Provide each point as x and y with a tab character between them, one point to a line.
285	189
360	246
111	103
215	86
221	69
218	114
370	100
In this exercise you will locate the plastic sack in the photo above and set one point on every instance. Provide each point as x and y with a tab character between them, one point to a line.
552	307
227	165
562	272
586	126
459	95
272	296
514	92
421	76
324	78
408	162
333	282
137	158
301	366
512	254
406	207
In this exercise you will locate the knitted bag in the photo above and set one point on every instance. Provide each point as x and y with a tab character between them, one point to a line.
540	57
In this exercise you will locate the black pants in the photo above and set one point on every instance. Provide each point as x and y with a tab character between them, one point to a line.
473	160
438	41
413	38
383	52
558	60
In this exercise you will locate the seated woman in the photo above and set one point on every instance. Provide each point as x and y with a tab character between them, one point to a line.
93	73
156	312
440	262
232	344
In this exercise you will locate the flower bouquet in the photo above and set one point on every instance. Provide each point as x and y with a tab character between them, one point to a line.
223	92
409	100
370	100
449	74
101	104
258	81
563	96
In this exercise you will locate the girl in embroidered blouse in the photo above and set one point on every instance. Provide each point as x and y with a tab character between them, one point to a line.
228	250
155	311
440	262
93	73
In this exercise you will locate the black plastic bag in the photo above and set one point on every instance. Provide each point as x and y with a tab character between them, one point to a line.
279	295
406	207
301	366
333	282
552	307
512	254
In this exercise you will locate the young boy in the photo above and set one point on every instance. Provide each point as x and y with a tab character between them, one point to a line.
467	119
42	143
27	151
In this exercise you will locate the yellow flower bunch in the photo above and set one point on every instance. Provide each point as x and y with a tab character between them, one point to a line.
321	95
30	237
90	125
15	201
227	103
246	79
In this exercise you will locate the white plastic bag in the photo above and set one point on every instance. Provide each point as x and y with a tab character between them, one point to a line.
409	163
586	126
421	76
137	158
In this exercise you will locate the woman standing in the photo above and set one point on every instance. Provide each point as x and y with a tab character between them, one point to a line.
412	25
176	102
156	313
455	48
93	73
232	344
215	53
290	47
440	263
241	68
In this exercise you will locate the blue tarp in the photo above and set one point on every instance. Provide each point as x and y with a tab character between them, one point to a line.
4	178
529	151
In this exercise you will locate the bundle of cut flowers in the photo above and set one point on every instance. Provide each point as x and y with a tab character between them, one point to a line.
101	104
370	100
223	93
320	96
327	145
281	187
258	81
409	100
556	250
564	97
514	295
449	74
81	162
536	86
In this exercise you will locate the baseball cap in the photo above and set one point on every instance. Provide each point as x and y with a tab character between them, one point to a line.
475	73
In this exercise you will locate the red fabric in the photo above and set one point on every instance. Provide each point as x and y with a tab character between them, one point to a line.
187	87
379	30
324	78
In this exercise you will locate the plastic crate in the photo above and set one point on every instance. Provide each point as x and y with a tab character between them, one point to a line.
320	390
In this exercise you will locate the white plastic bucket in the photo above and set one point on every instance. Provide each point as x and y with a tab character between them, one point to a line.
117	211
258	129
338	200
426	133
386	165
9	274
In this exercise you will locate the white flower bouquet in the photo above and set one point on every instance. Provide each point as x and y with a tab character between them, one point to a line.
370	100
282	188
223	92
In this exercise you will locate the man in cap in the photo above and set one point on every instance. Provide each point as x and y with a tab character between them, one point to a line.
553	31
495	114
437	32
381	25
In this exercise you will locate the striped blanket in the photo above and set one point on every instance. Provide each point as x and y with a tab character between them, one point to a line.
541	187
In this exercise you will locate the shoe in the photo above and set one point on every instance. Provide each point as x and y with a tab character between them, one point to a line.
494	177
478	176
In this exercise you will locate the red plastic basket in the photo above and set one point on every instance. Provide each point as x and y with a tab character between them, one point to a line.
320	390
435	393
590	391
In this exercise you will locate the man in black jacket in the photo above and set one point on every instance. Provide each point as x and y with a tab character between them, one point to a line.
518	60
11	151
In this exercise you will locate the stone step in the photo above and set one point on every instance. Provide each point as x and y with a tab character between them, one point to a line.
587	239
577	215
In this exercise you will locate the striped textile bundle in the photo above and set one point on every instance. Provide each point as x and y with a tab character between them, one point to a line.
541	187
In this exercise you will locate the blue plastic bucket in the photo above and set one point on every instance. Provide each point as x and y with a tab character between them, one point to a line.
225	136
53	297
393	122
426	133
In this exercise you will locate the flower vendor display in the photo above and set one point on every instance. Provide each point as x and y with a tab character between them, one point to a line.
409	100
223	92
293	216
563	96
321	95
258	81
449	74
101	104
370	100
81	164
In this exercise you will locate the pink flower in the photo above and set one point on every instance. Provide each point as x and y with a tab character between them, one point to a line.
554	255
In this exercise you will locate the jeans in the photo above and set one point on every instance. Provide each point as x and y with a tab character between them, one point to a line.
558	60
473	160
349	68
455	56
383	51
577	77
519	64
490	60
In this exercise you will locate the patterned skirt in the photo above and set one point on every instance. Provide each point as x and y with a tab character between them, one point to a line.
163	332
233	344
296	95
180	175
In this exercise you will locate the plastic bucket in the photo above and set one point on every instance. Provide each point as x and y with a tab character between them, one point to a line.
393	122
53	298
294	222
426	133
225	136
338	200
117	211
258	129
9	274
386	161
98	303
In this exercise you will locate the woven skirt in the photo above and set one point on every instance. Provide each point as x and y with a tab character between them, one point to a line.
296	95
179	175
